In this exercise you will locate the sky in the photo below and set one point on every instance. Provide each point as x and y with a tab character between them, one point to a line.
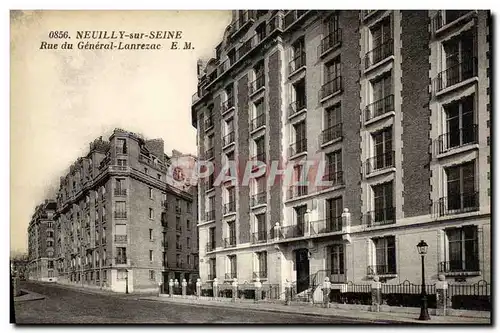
61	100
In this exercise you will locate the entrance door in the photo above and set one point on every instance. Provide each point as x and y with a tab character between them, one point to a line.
302	269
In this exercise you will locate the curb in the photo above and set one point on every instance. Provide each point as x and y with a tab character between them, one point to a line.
28	297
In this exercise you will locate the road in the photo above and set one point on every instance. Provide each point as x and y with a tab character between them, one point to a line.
67	306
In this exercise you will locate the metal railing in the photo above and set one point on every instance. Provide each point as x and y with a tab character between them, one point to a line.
227	105
228	139
248	15
331	133
379	162
210	247
292	16
230	276
332	224
120	215
379	107
259	237
210	215
245	48
297	191
439	20
457	266
457	73
297	106
120	238
258	199
330	41
229	207
381	269
212	276
331	87
121	260
379	217
298	147
209	122
379	53
296	63
209	153
260	275
292	231
258	83
120	191
457	139
229	242
334	176
457	204
257	122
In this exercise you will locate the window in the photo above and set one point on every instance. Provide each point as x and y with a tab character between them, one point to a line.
460	127
384	208
211	239
232	271
300	144
188	242
462	252
261	30
385	255
230	96
178	223
332	82
336	258
151	255
334	214
299	97
151	213
259	76
158	176
382	97
261	265
151	234
178	259
121	162
150	193
121	255
121	274
258	115
146	171
381	43
333	123
334	167
178	242
300	213
232	56
212	269
461	192
382	149
121	146
260	227
458	50
260	149
300	182
298	55
231	240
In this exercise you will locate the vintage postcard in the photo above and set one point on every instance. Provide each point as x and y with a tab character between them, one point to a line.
250	166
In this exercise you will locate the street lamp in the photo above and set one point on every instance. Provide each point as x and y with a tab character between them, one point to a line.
422	250
126	282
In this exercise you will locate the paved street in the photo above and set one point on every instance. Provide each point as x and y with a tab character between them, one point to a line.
63	305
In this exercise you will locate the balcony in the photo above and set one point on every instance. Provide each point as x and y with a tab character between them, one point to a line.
228	139
120	238
292	16
120	192
258	199
120	215
227	105
467	69
380	217
297	192
210	215
297	147
332	224
245	48
448	17
209	153
379	107
257	122
330	88
380	162
330	41
121	260
209	123
229	207
257	84
152	163
297	106
210	246
259	237
335	177
297	63
457	204
244	19
331	134
292	231
460	266
230	276
230	242
367	13
260	275
457	139
275	23
381	270
379	53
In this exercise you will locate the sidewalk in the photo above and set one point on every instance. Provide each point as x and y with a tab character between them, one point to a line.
28	296
402	318
89	290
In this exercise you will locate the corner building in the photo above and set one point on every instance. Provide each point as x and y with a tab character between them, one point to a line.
120	224
395	103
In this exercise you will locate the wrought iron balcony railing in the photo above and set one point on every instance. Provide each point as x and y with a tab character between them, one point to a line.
292	16
258	83
379	107
210	247
259	237
331	87
455	74
230	242
230	276
209	153
209	122
229	207
292	231
457	204
449	16
227	105
380	217
381	269
120	215
120	192
258	122
120	238
298	147
458	266
332	224
457	139
297	191
121	260
332	39
260	275
210	215
379	53
297	63
228	139
297	106
379	162
331	134
334	176
258	199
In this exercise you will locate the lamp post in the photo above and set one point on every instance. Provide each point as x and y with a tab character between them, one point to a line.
126	282
422	250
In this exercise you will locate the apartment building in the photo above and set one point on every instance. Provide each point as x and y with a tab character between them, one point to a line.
41	237
119	224
394	104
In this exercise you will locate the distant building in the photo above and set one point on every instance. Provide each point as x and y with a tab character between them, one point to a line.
119	220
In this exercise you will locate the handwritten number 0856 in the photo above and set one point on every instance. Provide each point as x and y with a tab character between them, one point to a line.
58	34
